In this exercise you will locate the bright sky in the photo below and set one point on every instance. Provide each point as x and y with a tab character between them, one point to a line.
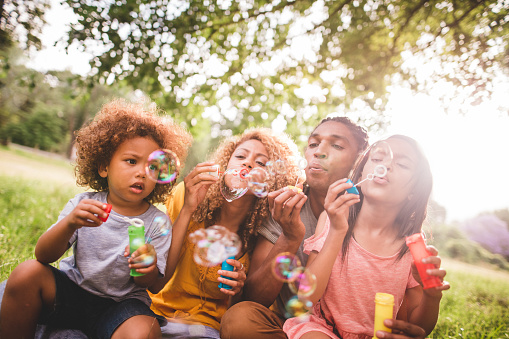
468	153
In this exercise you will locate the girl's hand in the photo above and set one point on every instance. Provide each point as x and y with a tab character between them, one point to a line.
285	205
86	214
144	259
437	271
337	205
238	276
197	182
401	330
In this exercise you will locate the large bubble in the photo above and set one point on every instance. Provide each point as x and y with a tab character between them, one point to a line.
162	166
284	265
214	244
276	167
257	182
233	184
298	307
302	282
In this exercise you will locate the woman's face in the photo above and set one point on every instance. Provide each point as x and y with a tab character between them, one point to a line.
397	185
248	155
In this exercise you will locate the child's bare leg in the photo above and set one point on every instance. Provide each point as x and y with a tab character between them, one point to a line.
29	289
139	326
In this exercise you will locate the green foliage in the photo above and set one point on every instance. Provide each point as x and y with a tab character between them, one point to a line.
27	209
257	61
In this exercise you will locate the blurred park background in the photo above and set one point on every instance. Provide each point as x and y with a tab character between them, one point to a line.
435	70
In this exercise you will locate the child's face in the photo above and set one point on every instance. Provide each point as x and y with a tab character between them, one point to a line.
128	183
397	186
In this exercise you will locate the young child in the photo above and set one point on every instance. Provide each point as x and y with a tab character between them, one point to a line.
370	229
93	290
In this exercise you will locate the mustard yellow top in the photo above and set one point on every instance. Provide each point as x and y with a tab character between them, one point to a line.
192	295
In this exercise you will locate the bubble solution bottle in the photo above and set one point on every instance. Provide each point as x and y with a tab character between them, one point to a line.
417	247
384	305
226	267
136	239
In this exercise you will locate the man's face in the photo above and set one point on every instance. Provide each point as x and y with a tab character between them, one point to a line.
331	154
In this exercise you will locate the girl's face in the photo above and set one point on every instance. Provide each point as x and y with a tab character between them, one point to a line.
248	155
397	185
128	183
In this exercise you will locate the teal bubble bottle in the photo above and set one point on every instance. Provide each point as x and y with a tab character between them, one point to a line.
136	239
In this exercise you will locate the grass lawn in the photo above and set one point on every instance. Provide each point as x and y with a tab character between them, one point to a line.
34	189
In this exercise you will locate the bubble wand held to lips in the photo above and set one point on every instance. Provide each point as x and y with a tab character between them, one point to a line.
380	153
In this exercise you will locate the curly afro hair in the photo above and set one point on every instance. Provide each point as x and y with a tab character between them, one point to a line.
278	147
115	123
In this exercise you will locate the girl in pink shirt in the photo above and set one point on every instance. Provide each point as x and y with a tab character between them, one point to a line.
370	229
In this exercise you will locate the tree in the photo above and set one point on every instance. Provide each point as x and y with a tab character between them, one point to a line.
22	21
241	63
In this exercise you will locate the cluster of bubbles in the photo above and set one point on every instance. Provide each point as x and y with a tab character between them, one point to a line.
287	268
214	244
235	183
162	166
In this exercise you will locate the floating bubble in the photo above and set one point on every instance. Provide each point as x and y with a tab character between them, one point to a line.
298	307
234	183
162	166
161	227
380	153
214	245
277	167
257	182
302	282
283	266
302	163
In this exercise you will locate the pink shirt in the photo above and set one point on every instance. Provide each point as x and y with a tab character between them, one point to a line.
349	299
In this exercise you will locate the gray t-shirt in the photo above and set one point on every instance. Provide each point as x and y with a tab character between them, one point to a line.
271	230
98	264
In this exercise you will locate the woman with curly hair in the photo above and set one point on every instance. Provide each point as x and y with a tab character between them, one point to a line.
93	291
191	300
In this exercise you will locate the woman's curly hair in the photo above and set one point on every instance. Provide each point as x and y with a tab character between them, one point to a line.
278	147
115	123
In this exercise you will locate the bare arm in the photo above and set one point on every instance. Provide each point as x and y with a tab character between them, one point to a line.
261	285
55	241
336	207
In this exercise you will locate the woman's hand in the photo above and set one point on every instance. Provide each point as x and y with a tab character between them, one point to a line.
337	204
437	271
238	277
285	205
197	182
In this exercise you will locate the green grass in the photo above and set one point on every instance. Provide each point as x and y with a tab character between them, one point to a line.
33	191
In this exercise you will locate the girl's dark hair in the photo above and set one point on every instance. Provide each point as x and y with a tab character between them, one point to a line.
413	213
359	133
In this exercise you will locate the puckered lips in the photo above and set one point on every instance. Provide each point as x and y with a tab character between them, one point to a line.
315	167
137	187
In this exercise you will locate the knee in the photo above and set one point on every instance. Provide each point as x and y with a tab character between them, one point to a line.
237	320
27	274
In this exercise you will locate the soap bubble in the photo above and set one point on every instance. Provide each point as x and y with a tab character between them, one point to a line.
257	182
162	166
283	266
302	282
380	153
214	244
298	307
234	184
160	227
277	167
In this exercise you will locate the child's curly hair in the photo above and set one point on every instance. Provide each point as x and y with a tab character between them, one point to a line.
278	147
115	123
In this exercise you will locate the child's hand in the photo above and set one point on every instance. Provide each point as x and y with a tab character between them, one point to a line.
86	214
144	259
401	330
238	276
437	271
337	205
